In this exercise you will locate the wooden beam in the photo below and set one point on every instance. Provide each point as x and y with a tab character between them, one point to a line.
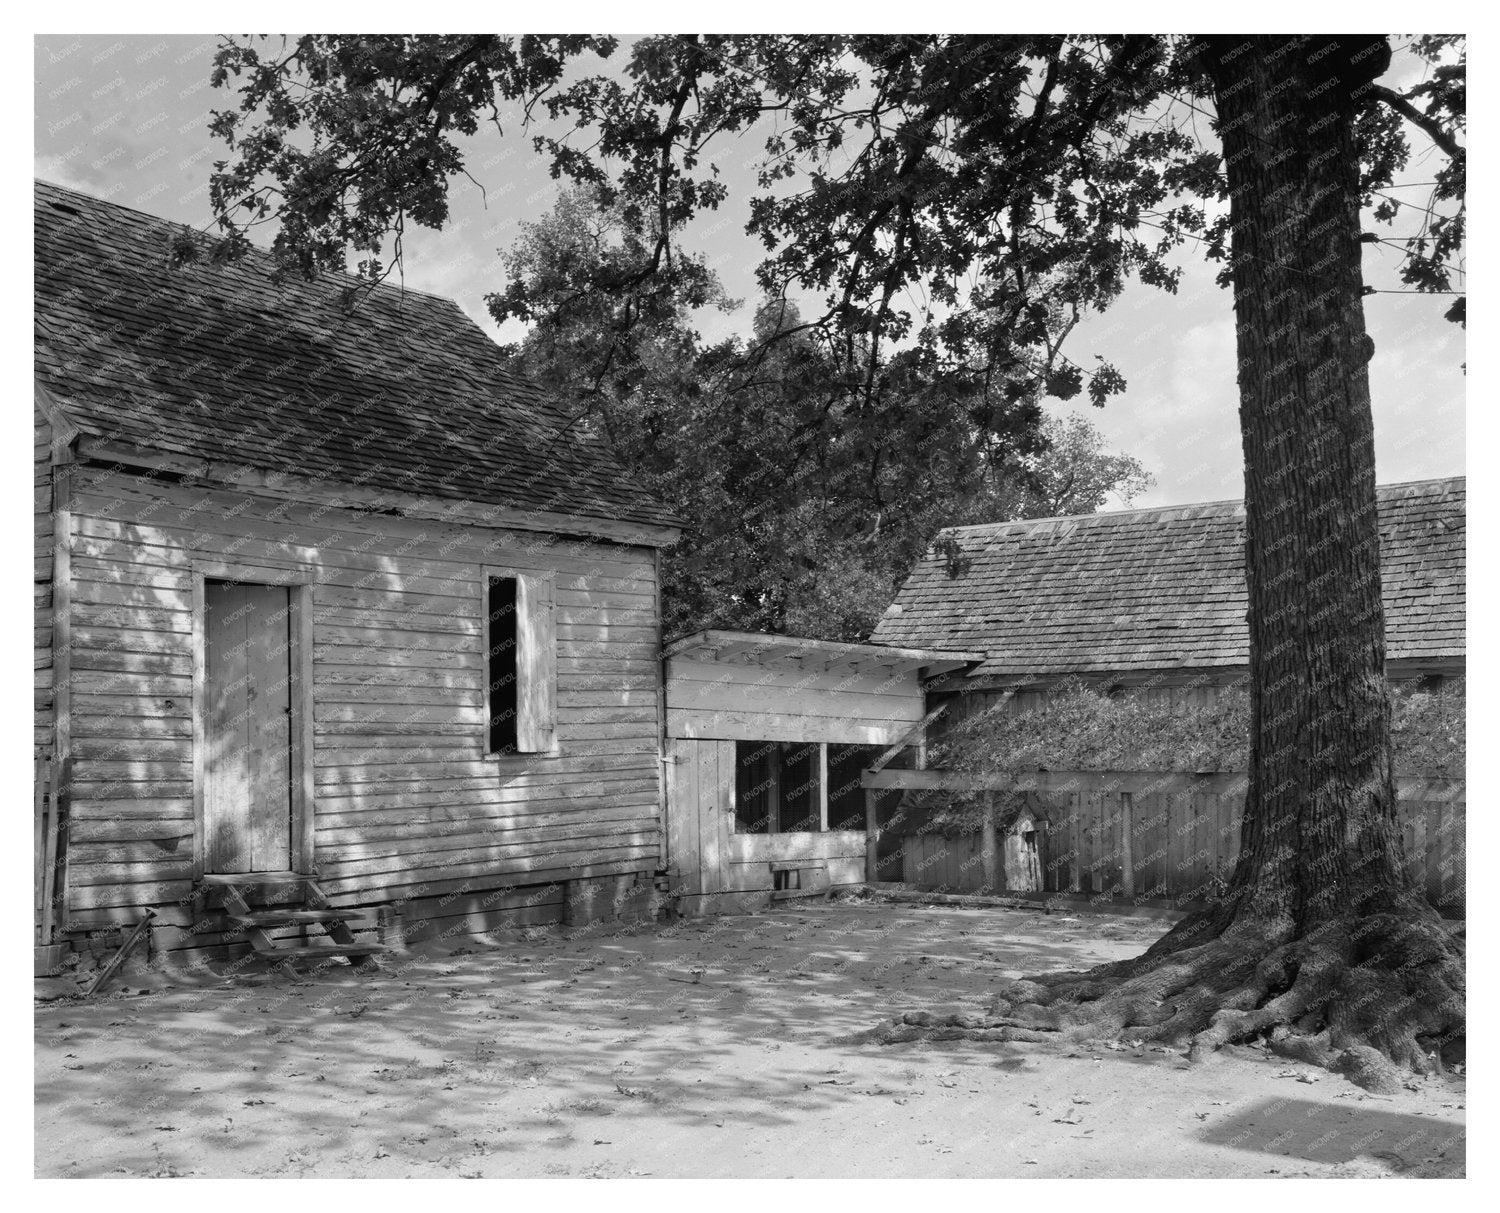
283	485
304	803
39	841
1218	783
1420	788
63	430
715	725
62	687
823	786
872	837
917	730
659	692
801	648
47	850
1127	847
1056	781
989	845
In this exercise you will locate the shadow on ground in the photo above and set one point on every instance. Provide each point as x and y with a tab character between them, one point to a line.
706	1048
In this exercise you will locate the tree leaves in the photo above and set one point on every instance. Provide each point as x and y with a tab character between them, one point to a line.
811	490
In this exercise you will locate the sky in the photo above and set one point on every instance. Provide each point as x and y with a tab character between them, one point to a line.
125	118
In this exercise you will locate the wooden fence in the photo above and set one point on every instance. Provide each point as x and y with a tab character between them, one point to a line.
1146	833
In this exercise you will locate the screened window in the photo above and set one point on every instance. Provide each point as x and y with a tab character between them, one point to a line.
777	787
846	799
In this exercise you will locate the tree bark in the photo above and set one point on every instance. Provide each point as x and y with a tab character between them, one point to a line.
1320	835
1320	946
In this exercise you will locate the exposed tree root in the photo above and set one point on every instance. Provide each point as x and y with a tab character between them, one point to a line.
1367	996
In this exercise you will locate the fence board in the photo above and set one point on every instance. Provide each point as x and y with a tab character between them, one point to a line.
1186	831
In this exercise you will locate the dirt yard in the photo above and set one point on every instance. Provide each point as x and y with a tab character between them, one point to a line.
596	1053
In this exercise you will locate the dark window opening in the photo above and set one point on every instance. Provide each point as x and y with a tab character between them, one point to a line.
786	878
504	687
801	810
756	769
776	787
846	799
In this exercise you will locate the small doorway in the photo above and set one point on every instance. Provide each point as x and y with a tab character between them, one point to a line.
248	729
1023	868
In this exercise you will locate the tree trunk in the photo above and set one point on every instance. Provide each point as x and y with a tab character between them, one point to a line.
1320	836
1320	947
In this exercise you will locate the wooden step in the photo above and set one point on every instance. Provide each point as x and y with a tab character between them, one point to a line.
311	951
296	918
219	879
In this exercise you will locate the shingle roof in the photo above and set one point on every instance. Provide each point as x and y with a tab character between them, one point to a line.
1160	589
218	362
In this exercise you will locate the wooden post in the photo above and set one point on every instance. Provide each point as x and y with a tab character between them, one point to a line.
39	848
60	792
126	948
990	851
1127	859
872	837
823	786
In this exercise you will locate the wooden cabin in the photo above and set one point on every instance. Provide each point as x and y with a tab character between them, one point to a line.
323	590
766	739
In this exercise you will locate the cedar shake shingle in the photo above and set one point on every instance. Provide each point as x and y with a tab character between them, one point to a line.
404	393
1161	589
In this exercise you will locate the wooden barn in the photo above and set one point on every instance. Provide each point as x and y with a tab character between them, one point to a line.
767	737
1152	602
1149	603
332	610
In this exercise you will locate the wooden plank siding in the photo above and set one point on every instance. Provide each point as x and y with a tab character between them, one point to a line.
706	854
404	794
42	704
726	700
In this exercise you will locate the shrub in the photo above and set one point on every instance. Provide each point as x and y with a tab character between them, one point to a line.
1081	729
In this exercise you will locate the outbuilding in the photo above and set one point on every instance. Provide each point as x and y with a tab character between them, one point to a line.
1152	602
325	595
767	738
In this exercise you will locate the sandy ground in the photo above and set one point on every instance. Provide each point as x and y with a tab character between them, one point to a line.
594	1053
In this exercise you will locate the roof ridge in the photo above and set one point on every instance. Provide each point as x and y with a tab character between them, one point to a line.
1136	511
256	249
1141	511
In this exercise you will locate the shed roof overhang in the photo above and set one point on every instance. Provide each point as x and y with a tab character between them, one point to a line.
794	653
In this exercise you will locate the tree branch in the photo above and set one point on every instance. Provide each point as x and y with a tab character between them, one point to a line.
1417	118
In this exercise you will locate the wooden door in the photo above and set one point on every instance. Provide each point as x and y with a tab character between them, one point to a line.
247	802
